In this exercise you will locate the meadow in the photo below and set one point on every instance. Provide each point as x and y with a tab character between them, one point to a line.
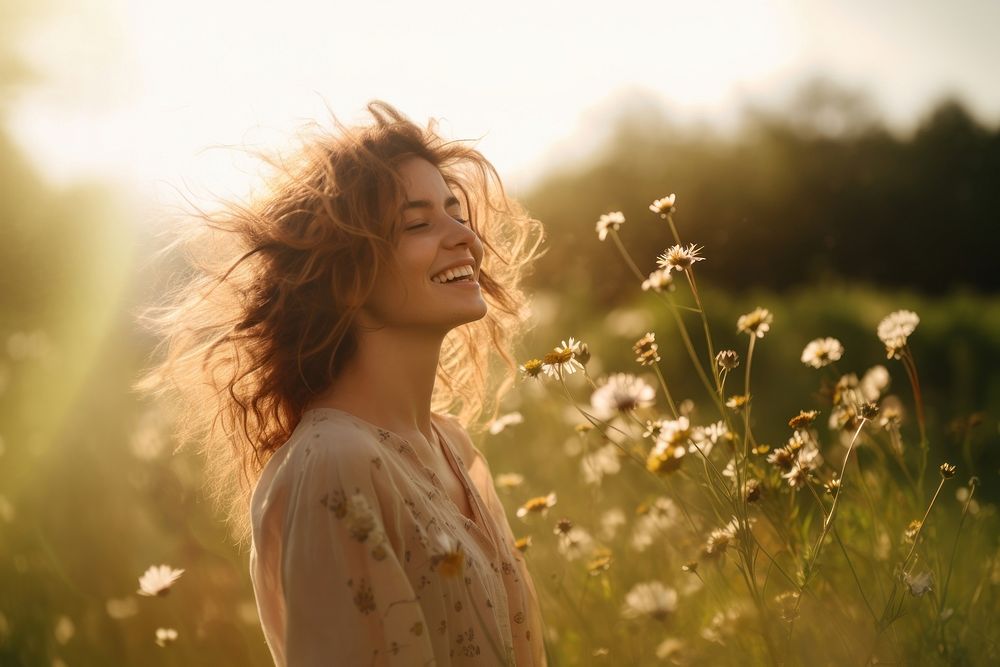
670	515
692	530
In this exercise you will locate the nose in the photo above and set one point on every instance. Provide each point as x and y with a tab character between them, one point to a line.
459	233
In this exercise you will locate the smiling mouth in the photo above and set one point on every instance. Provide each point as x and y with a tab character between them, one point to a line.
464	280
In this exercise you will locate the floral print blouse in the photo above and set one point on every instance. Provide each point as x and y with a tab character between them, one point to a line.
359	556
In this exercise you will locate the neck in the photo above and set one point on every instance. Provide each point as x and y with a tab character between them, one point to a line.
389	381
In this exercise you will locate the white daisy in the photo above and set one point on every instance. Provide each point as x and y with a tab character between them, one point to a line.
609	221
651	599
158	579
821	352
896	327
622	393
599	463
756	323
502	422
679	258
563	359
658	281
165	636
662	207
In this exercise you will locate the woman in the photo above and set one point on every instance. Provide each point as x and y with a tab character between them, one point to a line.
332	325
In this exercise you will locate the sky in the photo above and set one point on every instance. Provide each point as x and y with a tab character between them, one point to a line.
148	94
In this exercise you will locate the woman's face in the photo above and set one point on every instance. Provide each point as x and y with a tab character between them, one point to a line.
433	236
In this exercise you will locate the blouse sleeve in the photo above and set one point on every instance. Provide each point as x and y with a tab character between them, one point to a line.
347	598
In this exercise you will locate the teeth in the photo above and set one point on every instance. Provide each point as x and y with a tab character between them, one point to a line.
445	276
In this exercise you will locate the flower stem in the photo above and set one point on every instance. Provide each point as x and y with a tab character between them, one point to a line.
954	548
828	521
666	392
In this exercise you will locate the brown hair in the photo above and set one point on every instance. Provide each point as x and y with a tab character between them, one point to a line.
265	319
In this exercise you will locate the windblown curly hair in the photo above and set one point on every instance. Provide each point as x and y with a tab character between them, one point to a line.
265	319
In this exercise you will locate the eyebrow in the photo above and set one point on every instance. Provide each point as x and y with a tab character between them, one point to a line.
423	203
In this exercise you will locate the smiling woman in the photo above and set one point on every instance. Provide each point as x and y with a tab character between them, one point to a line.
330	327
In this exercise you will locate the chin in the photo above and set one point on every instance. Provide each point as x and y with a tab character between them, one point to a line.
474	315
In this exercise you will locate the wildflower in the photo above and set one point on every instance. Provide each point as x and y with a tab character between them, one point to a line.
845	392
821	352
611	521
690	567
574	543
665	458
738	402
537	505
508	480
721	539
761	449
582	353
787	603
653	428
563	526
896	327
609	221
523	543
124	607
947	470
892	417
803	419
502	422
165	636
833	487
601	562
910	534
919	584
157	580
532	368
622	393
668	648
361	520
679	258
756	323
450	558
602	462
646	350
874	382
663	207
658	281
563	359
656	519
783	457
868	410
706	437
799	474
727	360
751	491
650	599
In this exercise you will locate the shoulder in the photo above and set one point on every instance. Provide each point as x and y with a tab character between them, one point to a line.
338	435
325	453
327	444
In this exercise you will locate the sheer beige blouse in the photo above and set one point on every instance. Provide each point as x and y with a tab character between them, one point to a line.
359	556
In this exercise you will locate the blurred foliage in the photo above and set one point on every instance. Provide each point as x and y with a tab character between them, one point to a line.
818	191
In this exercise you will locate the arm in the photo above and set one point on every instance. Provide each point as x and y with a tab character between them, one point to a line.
347	598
